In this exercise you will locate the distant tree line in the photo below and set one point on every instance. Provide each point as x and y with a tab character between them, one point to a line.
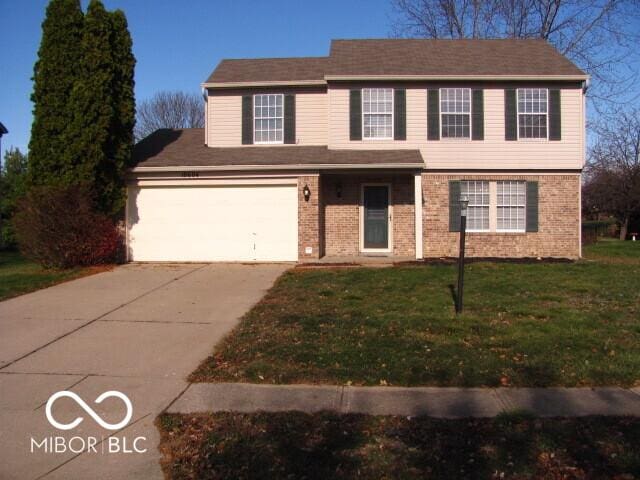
168	109
612	175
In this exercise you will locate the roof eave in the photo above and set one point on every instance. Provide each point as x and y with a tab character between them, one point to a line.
456	77
306	166
274	83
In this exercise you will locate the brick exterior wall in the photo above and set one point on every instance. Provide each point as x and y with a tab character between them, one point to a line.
342	215
310	219
558	220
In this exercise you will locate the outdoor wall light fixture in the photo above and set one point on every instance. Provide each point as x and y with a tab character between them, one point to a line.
464	204
306	191
339	190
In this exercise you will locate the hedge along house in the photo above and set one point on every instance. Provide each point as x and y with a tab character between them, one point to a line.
366	152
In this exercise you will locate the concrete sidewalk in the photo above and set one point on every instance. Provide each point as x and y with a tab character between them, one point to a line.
431	401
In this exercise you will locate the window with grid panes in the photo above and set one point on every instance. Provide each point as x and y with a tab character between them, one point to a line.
511	204
268	118
532	113
455	112
377	112
478	210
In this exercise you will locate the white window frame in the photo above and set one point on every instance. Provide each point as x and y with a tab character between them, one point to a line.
268	142
442	137
392	112
487	206
546	114
523	207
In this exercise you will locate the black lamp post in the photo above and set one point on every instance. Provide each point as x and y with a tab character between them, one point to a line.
464	203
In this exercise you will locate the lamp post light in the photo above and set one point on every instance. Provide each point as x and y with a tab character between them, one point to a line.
464	203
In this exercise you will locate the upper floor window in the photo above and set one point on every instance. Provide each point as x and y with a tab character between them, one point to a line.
532	113
511	205
455	110
377	112
478	210
268	118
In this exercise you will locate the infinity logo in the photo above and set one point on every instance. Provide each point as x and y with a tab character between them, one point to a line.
89	410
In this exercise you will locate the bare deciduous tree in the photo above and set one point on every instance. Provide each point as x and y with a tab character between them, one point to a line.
169	110
613	174
600	36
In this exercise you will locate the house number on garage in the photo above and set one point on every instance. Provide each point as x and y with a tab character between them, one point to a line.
190	174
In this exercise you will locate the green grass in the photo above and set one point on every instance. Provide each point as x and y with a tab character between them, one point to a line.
538	324
332	446
19	275
612	250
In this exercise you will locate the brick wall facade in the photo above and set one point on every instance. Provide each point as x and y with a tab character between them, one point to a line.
342	214
310	219
558	232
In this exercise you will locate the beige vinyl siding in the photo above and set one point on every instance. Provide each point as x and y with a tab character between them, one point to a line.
492	152
311	118
224	120
224	117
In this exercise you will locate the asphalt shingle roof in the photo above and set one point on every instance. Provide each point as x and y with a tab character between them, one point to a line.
504	57
406	57
269	70
186	148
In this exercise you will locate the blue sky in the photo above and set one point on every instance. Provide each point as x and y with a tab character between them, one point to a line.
178	43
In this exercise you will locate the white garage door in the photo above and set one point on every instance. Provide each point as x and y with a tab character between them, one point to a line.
213	223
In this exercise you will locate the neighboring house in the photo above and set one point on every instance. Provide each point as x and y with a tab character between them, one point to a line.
367	152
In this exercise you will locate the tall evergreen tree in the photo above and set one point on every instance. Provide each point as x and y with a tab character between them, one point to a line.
12	187
90	133
54	77
124	107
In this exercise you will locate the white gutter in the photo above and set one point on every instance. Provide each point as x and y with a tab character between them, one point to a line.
455	77
323	166
275	83
298	83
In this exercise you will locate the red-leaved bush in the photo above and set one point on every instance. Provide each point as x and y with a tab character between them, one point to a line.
58	227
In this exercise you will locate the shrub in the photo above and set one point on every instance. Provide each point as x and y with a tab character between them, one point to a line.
58	227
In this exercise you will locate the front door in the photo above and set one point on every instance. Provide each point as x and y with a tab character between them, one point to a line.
375	200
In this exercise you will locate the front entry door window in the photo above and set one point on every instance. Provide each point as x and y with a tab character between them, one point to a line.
376	217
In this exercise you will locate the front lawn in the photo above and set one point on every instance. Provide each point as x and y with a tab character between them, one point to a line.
610	250
536	324
19	275
332	446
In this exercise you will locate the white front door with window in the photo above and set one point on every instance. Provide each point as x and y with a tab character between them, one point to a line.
213	223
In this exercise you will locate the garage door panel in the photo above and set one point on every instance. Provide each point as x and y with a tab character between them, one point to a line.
230	223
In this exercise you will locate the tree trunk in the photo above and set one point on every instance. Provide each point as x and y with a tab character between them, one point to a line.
624	227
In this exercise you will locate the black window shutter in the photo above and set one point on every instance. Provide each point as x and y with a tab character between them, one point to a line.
555	124
247	119
399	114
510	115
433	114
290	118
532	207
454	206
477	115
355	115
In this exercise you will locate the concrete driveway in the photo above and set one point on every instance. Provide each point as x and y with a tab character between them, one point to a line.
140	330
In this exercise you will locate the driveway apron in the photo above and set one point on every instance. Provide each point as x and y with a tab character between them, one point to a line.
139	330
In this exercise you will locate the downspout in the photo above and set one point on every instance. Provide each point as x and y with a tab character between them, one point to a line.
585	87
205	97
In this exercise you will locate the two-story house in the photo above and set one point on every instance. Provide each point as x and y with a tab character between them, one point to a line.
368	152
